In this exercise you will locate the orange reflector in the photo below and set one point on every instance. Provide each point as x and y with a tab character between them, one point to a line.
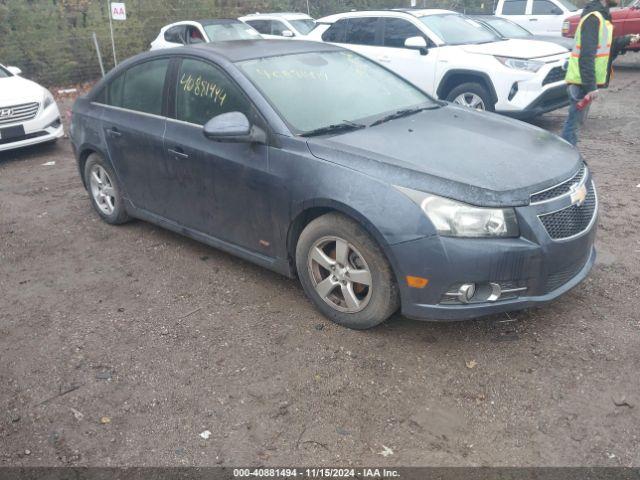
417	282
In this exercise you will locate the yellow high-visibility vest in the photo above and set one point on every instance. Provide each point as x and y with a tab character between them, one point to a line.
603	53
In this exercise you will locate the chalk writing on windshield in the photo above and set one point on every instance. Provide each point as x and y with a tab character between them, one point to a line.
292	74
202	88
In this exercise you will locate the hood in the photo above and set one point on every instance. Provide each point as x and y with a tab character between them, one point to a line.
476	157
517	48
16	90
565	42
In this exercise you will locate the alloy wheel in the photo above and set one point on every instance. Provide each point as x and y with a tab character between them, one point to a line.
470	100
102	189
340	275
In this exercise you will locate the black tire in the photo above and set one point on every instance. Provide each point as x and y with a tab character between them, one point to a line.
119	214
476	89
382	298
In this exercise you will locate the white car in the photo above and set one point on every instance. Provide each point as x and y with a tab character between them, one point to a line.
28	112
203	31
454	58
540	17
279	25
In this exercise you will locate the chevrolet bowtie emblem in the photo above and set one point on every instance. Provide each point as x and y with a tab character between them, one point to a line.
578	194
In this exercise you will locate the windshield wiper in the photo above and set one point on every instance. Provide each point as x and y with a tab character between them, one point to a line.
345	126
403	113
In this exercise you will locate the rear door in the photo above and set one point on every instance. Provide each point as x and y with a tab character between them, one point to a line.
133	124
217	188
516	11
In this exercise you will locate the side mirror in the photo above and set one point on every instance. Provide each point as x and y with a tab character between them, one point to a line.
417	43
14	70
233	127
287	33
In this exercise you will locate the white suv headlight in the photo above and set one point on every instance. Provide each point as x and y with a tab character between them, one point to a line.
519	64
48	99
457	219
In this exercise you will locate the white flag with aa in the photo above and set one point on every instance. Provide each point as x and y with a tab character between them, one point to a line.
118	11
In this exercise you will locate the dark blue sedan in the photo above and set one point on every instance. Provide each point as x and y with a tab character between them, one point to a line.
315	162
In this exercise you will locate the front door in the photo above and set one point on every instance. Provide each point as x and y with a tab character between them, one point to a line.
218	188
408	63
133	126
546	18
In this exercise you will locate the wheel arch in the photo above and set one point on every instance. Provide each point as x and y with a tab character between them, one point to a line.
456	77
84	152
312	210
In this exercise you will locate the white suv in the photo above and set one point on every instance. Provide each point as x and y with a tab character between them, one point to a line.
279	25
455	58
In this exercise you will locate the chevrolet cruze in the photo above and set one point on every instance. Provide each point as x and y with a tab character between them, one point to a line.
315	162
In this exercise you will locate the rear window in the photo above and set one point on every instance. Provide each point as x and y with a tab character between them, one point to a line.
362	31
336	32
140	87
514	7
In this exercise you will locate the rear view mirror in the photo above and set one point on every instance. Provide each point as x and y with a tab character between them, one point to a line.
287	33
417	43
233	127
14	70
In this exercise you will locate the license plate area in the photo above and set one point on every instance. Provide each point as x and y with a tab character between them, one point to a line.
11	132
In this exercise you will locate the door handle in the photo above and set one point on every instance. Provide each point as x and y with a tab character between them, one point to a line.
384	59
177	152
114	132
533	19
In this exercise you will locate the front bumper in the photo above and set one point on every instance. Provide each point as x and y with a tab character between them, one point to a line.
552	99
45	127
544	268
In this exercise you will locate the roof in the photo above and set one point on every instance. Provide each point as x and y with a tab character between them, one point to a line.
285	15
218	21
240	50
364	13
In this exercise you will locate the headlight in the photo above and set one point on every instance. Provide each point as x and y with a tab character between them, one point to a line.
48	100
519	64
456	219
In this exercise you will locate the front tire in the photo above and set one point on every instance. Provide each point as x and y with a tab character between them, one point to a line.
344	272
472	95
104	190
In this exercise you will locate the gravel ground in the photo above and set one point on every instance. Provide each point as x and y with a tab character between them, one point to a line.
121	345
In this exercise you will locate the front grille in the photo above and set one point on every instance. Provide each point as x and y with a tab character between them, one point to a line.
556	74
19	113
557	279
572	220
562	189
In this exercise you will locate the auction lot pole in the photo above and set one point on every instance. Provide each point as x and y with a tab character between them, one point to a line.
113	43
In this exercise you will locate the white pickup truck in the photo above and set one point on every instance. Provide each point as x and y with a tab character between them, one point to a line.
540	17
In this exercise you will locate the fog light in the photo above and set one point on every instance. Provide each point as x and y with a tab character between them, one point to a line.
513	91
466	292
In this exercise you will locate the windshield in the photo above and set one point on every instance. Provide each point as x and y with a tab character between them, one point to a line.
221	32
317	89
303	26
455	29
508	29
568	5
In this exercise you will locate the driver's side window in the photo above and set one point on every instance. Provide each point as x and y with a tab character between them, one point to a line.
194	35
545	7
175	35
204	91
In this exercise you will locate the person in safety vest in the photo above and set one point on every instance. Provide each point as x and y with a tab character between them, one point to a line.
590	62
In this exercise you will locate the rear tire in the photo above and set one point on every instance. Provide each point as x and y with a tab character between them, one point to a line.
344	272
469	94
104	190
